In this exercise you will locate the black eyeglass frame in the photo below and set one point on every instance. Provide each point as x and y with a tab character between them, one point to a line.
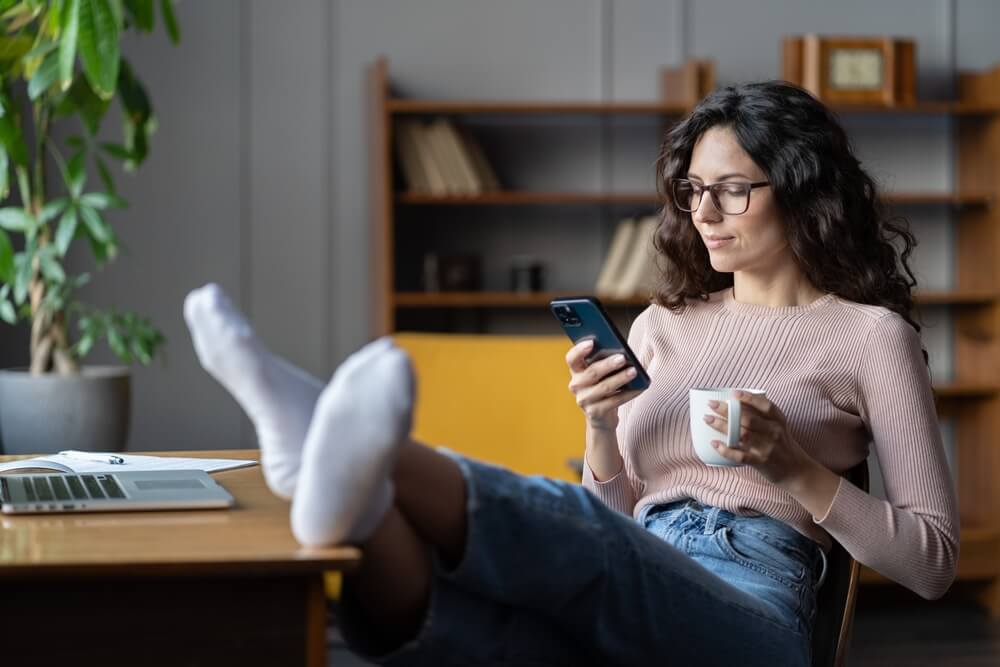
713	193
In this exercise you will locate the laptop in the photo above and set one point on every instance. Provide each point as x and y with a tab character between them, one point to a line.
111	492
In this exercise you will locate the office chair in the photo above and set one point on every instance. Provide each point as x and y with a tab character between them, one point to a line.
835	602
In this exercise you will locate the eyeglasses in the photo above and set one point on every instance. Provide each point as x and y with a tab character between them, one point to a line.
731	198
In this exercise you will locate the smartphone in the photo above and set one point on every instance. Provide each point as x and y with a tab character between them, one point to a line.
583	318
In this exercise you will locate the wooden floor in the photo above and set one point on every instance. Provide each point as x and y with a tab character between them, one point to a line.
896	633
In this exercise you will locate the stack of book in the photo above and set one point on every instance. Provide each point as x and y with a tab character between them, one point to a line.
629	268
440	159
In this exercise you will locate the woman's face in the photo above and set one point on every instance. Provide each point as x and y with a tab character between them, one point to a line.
754	241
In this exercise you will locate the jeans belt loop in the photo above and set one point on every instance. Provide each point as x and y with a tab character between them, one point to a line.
711	518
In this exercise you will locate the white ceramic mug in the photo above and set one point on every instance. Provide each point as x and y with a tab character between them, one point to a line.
703	434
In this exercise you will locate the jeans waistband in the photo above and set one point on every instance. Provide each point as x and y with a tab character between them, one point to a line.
713	517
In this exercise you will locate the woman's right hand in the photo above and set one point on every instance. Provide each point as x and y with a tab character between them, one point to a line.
598	387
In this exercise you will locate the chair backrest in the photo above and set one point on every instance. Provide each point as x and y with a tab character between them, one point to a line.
502	399
835	601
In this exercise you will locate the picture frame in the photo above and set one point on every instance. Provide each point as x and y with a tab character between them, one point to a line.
865	71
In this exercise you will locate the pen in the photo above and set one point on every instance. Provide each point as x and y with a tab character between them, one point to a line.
96	458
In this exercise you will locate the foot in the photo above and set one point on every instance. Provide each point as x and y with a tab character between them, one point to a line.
277	396
361	420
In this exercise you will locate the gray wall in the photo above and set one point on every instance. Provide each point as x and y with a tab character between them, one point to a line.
258	176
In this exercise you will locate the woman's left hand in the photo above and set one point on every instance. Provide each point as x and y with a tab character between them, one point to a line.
765	442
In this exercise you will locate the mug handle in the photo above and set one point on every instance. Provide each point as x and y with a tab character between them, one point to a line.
733	431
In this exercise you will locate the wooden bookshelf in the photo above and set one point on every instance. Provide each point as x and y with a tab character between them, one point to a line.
529	198
972	399
451	107
468	107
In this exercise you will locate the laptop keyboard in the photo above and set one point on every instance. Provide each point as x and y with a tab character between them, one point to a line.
71	487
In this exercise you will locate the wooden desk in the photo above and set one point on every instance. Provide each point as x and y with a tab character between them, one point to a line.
204	587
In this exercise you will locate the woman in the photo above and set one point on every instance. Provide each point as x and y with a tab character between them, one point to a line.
780	273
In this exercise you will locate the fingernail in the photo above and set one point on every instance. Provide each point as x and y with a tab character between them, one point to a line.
717	444
588	343
618	359
708	419
713	404
739	394
630	373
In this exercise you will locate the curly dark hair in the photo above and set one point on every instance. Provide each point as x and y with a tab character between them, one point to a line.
835	222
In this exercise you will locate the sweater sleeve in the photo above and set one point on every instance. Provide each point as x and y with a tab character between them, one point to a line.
618	492
911	537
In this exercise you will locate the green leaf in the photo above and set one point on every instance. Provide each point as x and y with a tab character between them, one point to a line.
105	174
12	139
7	312
22	15
70	24
13	47
99	230
117	345
50	266
66	230
41	50
52	209
99	48
44	77
139	123
170	20
116	150
141	12
76	175
6	260
81	99
4	174
22	276
102	200
14	10
84	345
16	219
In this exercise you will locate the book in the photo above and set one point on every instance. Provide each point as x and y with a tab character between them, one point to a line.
71	461
447	164
467	180
432	171
640	268
409	158
480	165
614	260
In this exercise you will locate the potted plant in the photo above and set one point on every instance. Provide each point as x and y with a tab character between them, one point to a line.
61	67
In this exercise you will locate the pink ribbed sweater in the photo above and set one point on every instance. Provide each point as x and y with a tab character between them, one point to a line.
845	375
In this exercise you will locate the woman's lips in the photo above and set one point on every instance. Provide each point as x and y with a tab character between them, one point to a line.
714	243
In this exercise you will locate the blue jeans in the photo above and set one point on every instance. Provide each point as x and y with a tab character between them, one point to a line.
553	576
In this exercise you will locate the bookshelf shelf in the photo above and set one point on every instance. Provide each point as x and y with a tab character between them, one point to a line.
399	107
954	390
531	299
522	198
496	299
955	298
529	198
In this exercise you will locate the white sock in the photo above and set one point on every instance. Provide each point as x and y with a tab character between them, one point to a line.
277	396
360	421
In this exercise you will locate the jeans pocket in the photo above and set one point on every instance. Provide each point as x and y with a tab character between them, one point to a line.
763	556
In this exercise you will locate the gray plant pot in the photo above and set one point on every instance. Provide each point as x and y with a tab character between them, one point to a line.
47	413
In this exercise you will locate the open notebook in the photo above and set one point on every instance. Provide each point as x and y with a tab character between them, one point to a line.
87	462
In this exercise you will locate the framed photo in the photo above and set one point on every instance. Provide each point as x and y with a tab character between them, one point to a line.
876	71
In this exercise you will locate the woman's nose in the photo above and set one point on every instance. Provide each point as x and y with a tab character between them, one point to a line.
707	210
